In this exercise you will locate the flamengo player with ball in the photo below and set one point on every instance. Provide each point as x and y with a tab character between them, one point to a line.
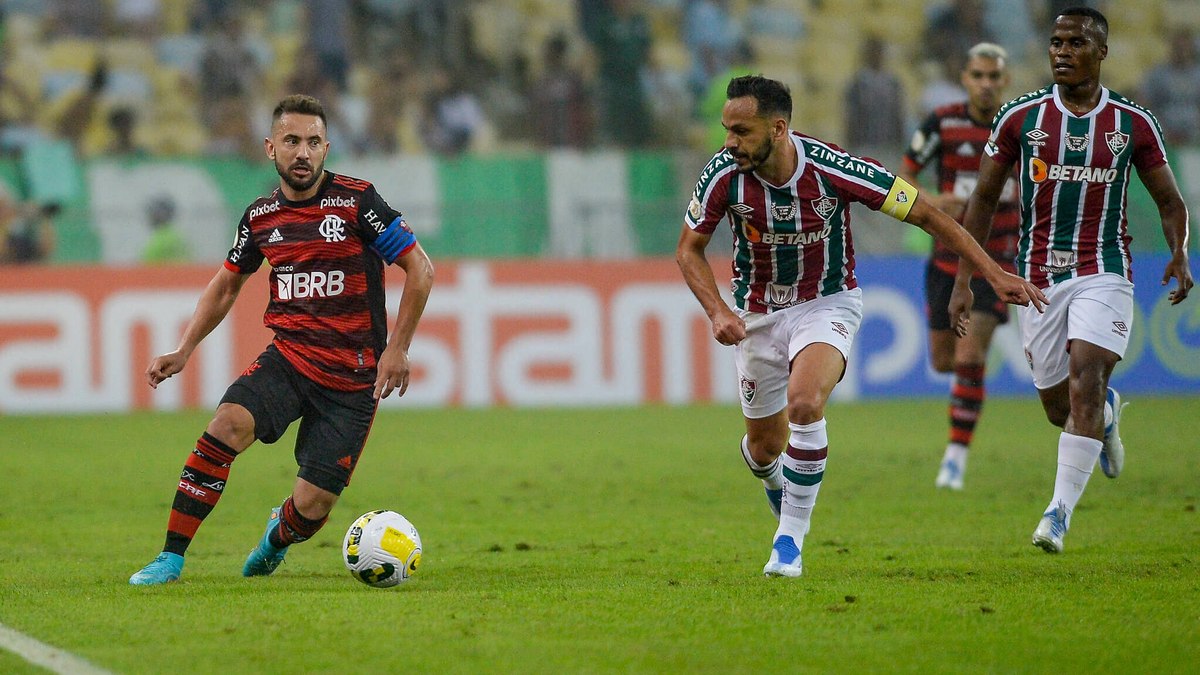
327	239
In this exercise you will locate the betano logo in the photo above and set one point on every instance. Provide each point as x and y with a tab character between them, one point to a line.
1040	172
302	285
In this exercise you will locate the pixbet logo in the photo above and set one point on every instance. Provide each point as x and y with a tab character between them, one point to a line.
263	210
337	201
302	285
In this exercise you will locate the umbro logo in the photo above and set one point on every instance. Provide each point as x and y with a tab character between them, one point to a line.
741	209
1120	328
1037	137
275	237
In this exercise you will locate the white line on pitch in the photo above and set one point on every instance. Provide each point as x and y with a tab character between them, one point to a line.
42	654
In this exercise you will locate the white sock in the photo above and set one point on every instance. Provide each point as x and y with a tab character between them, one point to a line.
771	474
956	452
1077	456
803	471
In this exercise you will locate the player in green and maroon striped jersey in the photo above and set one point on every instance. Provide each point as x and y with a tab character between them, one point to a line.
1075	144
798	306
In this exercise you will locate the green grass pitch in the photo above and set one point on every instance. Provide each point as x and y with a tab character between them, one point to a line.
622	540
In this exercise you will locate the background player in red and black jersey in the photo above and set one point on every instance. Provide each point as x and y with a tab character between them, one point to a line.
952	139
327	238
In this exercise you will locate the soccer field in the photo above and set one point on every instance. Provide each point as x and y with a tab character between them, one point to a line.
621	540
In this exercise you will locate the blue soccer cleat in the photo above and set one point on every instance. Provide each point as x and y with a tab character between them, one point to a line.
264	558
785	558
162	570
775	500
1112	455
1050	530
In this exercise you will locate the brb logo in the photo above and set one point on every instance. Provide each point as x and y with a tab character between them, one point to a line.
300	285
333	229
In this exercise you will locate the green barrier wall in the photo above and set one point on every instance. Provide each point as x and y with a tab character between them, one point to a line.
488	207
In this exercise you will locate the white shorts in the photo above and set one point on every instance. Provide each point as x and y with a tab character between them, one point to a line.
1097	308
772	340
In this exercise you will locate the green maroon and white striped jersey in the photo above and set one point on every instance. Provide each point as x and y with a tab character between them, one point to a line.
792	243
1075	174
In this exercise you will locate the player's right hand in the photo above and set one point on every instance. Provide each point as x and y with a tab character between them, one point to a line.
163	367
728	328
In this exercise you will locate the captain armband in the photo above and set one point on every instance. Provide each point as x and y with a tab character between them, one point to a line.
900	199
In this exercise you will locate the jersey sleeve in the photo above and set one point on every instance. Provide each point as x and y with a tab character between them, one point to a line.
861	179
245	257
1149	150
926	143
1003	144
710	199
384	229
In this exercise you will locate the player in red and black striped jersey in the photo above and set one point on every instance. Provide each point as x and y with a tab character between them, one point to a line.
1076	144
327	239
951	140
787	197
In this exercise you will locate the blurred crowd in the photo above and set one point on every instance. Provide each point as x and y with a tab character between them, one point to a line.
161	77
152	78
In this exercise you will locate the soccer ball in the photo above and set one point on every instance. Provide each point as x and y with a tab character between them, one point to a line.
382	549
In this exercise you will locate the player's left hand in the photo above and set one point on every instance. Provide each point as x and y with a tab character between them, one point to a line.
392	373
1179	270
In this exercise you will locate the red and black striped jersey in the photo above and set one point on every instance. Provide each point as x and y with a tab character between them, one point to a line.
953	141
1075	172
327	256
792	242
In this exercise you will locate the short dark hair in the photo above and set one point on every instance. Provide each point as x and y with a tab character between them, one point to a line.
302	104
772	96
1098	21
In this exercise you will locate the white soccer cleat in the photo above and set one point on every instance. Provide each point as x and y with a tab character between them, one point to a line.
785	558
1050	530
950	475
1112	455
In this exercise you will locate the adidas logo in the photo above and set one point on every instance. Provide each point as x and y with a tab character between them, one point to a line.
345	462
275	237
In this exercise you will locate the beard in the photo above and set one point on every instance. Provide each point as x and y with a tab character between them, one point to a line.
300	185
756	158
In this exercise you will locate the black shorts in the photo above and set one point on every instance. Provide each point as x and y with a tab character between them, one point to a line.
939	285
333	424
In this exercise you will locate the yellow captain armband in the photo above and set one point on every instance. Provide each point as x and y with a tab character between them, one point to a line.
900	199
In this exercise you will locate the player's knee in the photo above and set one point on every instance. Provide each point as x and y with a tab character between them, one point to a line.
806	408
942	363
233	425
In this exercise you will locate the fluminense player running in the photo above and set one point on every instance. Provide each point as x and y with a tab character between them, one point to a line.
798	305
1076	144
326	238
951	140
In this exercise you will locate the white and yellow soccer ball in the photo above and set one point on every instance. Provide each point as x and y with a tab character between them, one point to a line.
382	549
